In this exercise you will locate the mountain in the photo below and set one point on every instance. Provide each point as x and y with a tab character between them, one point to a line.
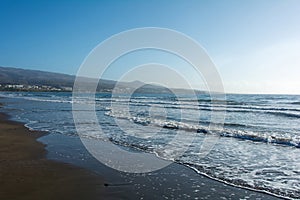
18	76
9	75
58	82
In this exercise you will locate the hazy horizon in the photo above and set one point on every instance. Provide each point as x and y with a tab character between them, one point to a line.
156	84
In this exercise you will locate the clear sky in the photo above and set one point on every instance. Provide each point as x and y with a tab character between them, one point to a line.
254	43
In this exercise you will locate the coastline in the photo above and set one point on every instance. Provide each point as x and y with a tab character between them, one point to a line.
25	173
34	176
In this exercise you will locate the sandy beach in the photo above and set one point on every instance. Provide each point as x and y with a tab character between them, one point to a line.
150	100
26	174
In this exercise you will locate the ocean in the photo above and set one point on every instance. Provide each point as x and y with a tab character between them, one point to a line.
257	146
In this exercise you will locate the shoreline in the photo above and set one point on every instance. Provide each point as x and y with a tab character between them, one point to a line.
26	173
85	183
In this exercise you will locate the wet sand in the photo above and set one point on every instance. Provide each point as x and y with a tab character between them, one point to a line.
26	174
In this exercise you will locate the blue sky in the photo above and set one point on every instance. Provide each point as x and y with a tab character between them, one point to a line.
255	44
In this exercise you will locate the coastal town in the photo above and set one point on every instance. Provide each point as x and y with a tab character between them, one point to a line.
33	88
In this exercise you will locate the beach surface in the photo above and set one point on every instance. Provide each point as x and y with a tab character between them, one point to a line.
27	173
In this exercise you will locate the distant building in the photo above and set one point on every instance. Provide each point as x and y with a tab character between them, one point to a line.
20	87
67	88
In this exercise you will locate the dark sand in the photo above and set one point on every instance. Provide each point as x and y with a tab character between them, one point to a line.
25	173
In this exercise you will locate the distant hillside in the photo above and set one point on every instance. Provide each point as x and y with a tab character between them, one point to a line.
17	76
10	75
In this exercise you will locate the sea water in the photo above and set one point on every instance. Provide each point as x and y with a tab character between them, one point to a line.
258	145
